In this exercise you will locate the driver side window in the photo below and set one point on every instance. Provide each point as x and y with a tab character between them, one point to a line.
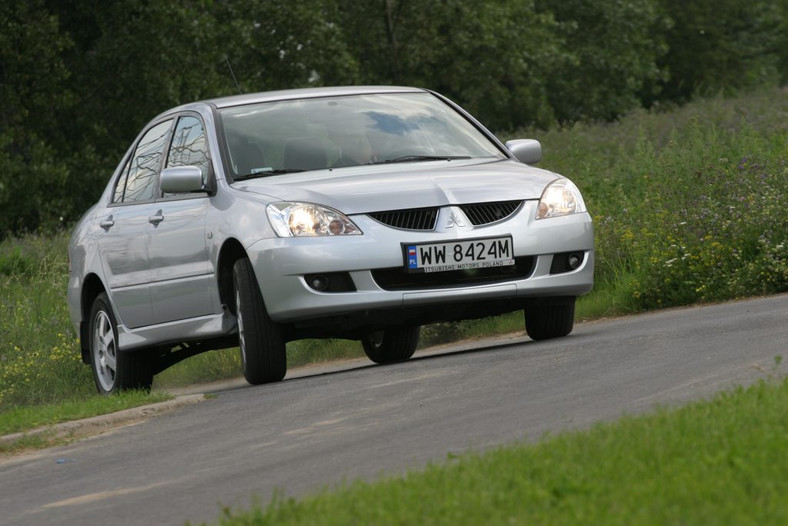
188	147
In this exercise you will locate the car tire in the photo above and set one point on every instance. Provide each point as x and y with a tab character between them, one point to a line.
262	344
391	345
114	370
549	321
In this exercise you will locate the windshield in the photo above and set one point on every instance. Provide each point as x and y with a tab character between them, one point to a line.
335	132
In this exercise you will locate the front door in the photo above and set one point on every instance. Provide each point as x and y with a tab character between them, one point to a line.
183	284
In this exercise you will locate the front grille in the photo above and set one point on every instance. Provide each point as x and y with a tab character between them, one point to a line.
398	278
486	213
414	219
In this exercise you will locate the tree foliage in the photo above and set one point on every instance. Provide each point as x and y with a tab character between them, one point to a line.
280	45
613	49
493	59
31	72
79	78
723	45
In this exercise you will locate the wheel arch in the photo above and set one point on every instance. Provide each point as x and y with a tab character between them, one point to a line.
231	251
91	288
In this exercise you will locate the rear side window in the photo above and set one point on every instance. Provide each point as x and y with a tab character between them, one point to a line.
139	184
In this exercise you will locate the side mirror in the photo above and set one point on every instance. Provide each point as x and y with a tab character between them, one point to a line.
183	180
527	151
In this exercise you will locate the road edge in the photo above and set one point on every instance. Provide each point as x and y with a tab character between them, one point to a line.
96	425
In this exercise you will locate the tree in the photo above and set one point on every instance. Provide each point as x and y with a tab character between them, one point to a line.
32	74
133	59
614	47
79	78
722	45
489	56
275	45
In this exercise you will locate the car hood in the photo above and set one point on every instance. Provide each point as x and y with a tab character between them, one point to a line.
367	189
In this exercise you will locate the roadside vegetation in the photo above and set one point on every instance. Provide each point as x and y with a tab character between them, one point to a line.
720	461
689	203
689	207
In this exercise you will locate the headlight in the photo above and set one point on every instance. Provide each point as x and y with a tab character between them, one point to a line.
560	198
306	219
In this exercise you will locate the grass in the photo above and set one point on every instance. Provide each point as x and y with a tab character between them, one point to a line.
21	419
721	461
689	207
40	362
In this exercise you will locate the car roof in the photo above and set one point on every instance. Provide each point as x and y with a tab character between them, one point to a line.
305	93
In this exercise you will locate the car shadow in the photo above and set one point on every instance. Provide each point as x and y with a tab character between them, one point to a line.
345	367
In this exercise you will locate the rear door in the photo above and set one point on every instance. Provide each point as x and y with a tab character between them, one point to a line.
125	224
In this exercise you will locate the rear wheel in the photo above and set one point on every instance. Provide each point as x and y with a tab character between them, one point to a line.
391	345
114	370
549	321
263	351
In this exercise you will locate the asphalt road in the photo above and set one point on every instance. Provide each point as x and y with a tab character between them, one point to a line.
323	426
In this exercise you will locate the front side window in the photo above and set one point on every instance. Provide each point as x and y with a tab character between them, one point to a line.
120	184
146	164
188	145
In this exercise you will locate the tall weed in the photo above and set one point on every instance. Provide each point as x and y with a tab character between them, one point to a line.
40	361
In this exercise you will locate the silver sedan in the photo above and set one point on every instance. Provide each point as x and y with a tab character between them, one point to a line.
359	213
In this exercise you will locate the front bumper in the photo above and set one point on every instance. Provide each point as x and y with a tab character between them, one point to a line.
281	265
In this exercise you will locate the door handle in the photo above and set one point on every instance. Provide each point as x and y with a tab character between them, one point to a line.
107	223
156	219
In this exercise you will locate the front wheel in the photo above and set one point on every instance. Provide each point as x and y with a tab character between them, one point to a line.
263	351
549	321
391	345
114	370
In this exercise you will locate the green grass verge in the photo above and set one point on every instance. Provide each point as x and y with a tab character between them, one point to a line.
722	461
25	418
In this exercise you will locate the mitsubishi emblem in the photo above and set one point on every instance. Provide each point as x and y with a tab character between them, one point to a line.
455	219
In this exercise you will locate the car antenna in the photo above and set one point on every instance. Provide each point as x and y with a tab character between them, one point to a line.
227	60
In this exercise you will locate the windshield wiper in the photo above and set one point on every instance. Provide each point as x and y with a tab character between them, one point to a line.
266	173
420	158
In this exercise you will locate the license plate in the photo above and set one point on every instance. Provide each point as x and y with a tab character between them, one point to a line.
459	255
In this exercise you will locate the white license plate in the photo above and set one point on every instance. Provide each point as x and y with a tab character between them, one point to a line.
458	255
